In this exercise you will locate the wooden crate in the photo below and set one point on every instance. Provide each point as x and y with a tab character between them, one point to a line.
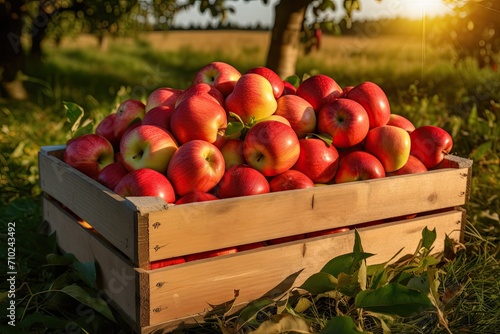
128	234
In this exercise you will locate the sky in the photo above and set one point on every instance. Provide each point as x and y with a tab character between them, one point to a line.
253	11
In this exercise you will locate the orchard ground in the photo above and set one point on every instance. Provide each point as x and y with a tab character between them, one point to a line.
421	79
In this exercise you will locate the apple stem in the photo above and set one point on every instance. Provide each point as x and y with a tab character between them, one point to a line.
138	155
260	157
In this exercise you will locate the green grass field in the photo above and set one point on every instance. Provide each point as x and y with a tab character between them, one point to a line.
422	81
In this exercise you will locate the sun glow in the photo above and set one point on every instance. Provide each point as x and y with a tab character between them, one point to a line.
421	8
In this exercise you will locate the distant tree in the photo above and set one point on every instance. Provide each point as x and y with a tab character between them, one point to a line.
475	31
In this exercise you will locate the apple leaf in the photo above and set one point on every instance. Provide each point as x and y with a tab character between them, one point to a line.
346	263
249	313
428	237
393	299
341	325
95	303
294	80
323	136
74	116
320	283
283	323
233	128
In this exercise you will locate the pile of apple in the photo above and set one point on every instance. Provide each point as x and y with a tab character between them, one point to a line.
231	134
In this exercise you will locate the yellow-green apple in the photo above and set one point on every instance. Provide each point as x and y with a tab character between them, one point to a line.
374	100
316	88
166	263
289	180
357	166
129	113
274	117
317	160
146	182
112	174
430	144
289	89
327	232
203	89
271	147
89	154
211	253
273	77
298	112
242	180
221	75
412	166
106	128
147	146
346	121
252	97
196	166
163	96
232	150
159	116
401	122
199	117
389	144
196	196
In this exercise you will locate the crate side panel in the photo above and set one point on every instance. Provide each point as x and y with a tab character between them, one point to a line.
107	212
116	276
191	228
189	288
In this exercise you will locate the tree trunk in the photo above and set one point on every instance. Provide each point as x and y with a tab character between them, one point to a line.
11	49
285	38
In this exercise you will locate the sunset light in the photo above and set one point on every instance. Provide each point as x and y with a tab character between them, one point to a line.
420	8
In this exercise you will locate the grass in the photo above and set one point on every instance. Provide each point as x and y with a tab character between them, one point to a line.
421	80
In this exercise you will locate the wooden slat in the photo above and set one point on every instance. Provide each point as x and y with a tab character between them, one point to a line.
188	288
116	276
191	228
107	212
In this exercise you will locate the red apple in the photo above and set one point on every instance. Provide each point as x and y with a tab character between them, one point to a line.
252	97
197	196
389	144
112	174
253	245
129	112
430	144
196	166
159	116
200	118
273	78
412	166
346	90
317	160
163	96
271	147
106	129
401	122
359	165
147	146
166	263
220	75
289	180
374	100
202	89
298	112
232	151
316	88
242	180
289	89
274	117
286	239
212	253
346	121
146	182
327	232
89	154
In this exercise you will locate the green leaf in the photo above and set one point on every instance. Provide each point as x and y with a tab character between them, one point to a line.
74	115
320	283
86	272
323	136
393	299
60	260
340	325
349	285
428	237
479	152
294	80
48	321
250	312
81	295
283	323
346	263
303	304
358	247
233	128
